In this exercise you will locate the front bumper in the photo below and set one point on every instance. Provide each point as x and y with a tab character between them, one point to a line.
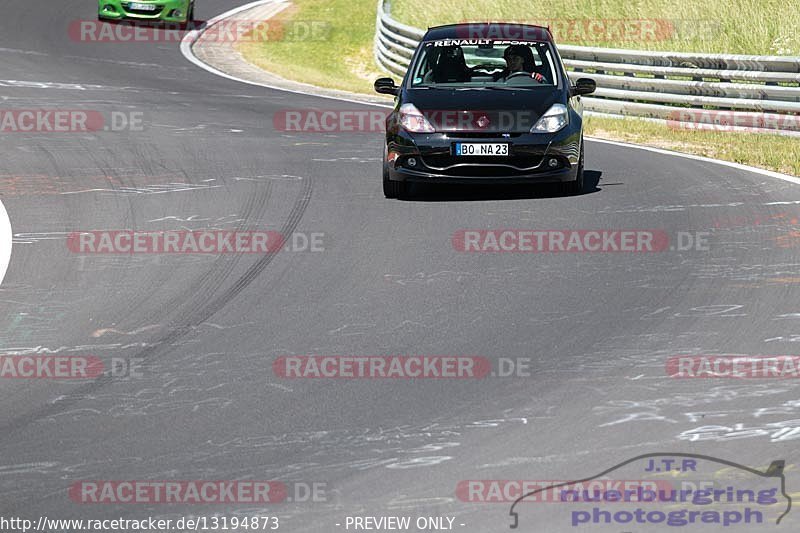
428	158
556	176
165	10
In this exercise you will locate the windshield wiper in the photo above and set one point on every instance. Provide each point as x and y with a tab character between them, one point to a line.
490	88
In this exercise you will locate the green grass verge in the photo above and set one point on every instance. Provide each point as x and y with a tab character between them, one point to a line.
772	152
730	26
343	60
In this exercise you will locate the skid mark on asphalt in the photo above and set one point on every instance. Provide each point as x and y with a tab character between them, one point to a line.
31	238
103	331
566	458
679	208
352	329
717	428
784	431
265	177
421	278
363	329
28	468
114	331
349	160
100	263
149	189
794	337
58	86
40	184
225	219
787	316
95	348
54	85
204	299
35	315
738	272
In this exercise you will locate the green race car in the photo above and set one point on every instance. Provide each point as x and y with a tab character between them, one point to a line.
181	11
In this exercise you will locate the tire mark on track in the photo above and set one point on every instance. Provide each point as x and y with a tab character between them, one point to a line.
164	343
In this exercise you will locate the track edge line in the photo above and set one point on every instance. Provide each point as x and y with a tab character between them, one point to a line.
6	237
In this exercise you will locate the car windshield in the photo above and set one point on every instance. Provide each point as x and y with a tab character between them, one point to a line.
495	64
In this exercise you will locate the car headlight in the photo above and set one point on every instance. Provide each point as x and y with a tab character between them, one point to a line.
413	120
553	120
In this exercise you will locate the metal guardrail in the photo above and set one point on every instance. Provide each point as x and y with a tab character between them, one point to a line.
756	92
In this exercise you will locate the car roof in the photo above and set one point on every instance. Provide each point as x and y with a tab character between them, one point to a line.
490	30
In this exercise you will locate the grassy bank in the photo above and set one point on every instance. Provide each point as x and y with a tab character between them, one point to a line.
340	57
343	59
760	27
771	152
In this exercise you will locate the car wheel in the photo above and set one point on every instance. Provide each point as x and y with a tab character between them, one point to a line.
393	189
576	187
189	23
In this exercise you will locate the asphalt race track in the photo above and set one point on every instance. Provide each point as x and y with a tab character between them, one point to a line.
204	330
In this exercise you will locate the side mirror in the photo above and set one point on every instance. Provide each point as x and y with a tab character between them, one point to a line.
584	86
386	86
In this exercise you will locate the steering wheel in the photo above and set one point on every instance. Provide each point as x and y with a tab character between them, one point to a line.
518	74
486	67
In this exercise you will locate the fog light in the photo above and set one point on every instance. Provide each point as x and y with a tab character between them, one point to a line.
553	163
177	13
412	162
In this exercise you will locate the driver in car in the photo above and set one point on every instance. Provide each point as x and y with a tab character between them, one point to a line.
519	61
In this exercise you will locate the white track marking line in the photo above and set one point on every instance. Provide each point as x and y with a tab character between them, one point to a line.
5	241
190	38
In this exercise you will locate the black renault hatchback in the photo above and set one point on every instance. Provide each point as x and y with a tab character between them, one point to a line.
484	103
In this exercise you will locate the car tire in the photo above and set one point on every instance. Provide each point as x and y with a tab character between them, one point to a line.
189	24
393	189
576	187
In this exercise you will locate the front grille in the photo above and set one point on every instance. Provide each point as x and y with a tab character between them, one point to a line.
446	160
482	166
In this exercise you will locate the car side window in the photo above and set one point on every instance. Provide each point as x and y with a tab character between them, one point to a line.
424	71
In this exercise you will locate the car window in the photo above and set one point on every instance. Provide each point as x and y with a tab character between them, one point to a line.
448	64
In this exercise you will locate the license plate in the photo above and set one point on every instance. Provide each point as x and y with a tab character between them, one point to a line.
482	149
142	7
